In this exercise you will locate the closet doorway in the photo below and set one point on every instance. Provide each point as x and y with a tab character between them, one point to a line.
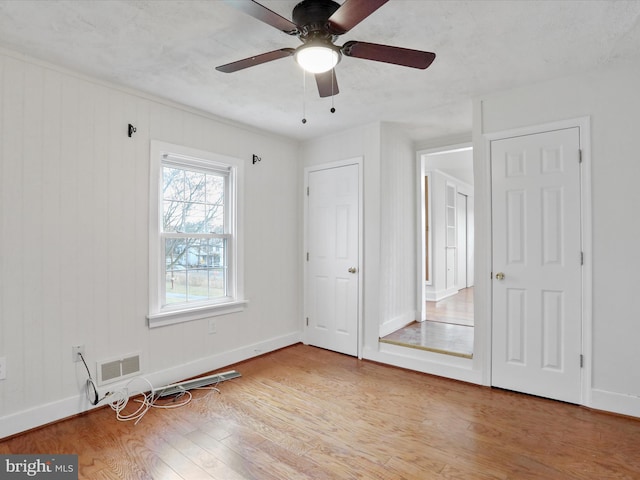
445	322
448	252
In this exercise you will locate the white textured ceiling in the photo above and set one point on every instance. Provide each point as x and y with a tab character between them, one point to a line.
171	48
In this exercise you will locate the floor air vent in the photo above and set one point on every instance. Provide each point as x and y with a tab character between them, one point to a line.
214	379
117	369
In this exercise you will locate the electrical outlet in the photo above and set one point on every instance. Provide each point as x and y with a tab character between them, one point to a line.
76	351
212	327
3	368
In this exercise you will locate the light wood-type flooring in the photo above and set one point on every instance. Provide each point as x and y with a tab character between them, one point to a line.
307	413
448	327
456	309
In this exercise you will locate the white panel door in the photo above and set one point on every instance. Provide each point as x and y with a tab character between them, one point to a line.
332	265
537	320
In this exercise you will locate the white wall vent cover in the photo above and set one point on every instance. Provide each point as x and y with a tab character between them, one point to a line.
116	369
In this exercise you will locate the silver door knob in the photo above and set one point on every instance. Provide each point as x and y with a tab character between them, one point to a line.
352	270
500	276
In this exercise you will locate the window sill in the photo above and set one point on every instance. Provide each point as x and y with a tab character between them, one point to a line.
195	313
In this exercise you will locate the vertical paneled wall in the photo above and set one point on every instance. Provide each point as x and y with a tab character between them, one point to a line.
74	234
398	258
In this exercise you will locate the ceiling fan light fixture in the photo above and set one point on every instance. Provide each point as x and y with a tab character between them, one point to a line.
317	58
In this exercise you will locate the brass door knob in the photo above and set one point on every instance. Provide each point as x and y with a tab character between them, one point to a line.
500	276
352	270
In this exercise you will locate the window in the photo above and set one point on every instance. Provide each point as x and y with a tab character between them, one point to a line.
194	257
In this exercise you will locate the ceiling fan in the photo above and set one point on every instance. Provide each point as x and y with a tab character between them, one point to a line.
318	23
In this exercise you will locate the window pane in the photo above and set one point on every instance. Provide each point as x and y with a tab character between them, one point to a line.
217	282
172	216
195	218
215	203
215	219
176	291
197	285
198	252
195	186
196	270
215	188
172	183
175	254
217	252
192	204
218	274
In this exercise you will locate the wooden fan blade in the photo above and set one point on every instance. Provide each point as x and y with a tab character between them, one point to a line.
265	15
327	83
256	60
388	54
351	13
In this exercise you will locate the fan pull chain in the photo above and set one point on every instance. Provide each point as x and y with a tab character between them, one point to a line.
333	96
304	97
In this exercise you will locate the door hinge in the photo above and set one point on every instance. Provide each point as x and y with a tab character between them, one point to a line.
307	321
579	156
307	191
581	360
581	258
307	256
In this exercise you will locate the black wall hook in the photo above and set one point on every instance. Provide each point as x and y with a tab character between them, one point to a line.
256	159
132	130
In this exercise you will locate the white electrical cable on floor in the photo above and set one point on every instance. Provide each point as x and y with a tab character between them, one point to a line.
120	398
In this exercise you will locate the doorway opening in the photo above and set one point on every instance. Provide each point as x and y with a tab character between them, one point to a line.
445	323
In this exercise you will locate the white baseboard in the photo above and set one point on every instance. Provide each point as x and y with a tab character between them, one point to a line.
615	402
51	412
436	296
397	323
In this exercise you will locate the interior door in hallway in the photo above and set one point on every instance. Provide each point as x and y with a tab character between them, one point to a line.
537	273
332	273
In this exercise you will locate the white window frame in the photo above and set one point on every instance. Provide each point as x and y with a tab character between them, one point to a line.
160	315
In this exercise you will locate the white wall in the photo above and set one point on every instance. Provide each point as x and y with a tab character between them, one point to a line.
398	255
610	98
74	239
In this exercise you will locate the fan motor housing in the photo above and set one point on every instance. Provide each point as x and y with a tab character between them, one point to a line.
311	15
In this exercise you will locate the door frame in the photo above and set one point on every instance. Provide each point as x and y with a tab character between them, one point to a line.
359	161
424	223
584	128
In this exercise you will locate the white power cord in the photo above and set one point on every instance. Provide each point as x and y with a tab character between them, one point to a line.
120	398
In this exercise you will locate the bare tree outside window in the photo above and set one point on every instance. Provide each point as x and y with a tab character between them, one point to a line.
193	224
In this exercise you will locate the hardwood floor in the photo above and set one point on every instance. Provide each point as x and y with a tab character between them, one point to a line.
457	309
307	413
